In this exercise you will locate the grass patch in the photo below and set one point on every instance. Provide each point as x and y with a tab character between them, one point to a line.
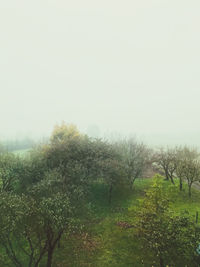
103	242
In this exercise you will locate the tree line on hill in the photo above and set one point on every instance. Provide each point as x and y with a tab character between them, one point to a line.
44	195
12	145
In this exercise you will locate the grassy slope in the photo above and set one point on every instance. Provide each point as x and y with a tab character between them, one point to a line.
107	244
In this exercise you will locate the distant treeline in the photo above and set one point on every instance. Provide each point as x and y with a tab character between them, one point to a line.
17	144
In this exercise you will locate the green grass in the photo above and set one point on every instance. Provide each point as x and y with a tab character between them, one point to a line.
103	242
180	199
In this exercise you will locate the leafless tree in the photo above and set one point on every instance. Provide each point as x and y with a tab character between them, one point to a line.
136	157
188	167
165	161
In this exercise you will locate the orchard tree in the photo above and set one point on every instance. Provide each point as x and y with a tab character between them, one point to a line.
58	211
113	174
18	218
108	164
136	157
32	224
189	170
81	159
166	161
187	166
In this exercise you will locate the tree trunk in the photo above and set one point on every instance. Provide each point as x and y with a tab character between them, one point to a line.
50	256
161	262
40	256
133	180
189	190
172	180
110	194
166	174
51	247
197	216
180	184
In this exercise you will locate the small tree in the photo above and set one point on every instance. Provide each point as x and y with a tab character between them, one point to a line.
189	170
188	167
166	161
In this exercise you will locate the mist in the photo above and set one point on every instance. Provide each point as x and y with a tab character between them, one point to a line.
125	67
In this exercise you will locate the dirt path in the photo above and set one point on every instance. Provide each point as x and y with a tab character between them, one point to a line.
196	186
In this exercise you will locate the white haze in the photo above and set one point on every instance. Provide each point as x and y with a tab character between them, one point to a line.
131	67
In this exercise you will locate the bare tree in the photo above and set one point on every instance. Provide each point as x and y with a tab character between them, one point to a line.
135	157
166	161
188	167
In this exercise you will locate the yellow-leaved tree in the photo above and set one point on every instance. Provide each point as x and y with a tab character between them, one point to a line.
64	132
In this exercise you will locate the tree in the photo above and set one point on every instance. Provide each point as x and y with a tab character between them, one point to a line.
187	166
81	159
10	171
17	218
135	157
113	174
108	164
33	169
64	131
32	224
57	211
45	200
166	160
189	170
170	237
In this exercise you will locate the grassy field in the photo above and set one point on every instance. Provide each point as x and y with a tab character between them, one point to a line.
106	242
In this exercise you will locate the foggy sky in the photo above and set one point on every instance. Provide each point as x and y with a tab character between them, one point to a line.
125	66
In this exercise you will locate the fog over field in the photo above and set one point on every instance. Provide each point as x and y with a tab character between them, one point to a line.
127	67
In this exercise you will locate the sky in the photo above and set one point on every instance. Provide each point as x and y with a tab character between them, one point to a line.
131	67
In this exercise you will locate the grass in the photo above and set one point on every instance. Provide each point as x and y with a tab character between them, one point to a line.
104	242
181	201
